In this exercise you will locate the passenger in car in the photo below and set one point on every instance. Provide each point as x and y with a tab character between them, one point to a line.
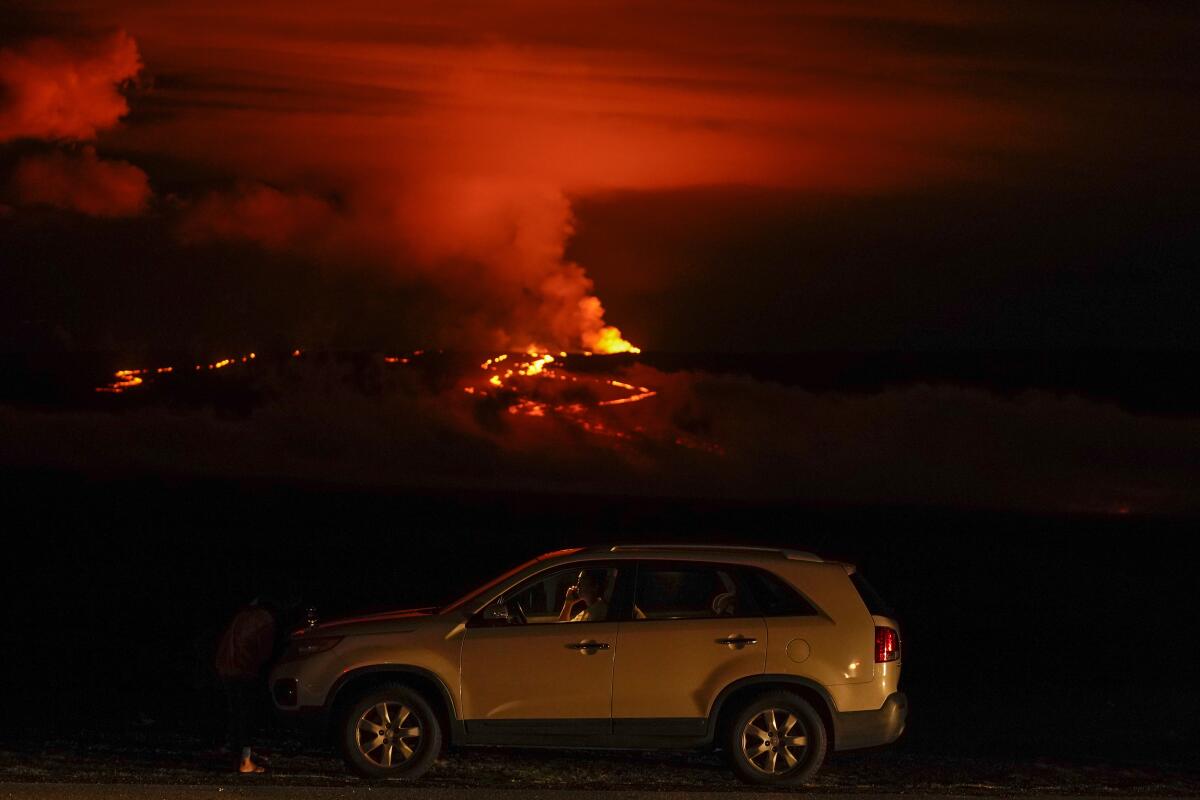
725	604
587	590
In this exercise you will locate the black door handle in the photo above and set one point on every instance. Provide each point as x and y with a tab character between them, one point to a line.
738	641
588	646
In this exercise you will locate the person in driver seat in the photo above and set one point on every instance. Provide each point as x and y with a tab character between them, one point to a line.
586	589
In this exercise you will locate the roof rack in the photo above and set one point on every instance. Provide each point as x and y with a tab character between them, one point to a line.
791	555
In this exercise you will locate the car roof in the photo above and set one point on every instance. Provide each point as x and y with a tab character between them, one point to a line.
692	551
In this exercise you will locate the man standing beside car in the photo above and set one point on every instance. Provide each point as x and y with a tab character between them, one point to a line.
242	657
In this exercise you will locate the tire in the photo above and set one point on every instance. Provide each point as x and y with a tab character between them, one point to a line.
759	749
390	732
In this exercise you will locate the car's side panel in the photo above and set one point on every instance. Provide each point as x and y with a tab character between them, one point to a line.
536	672
872	695
860	696
836	647
676	668
432	646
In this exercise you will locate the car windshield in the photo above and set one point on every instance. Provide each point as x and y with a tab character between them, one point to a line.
474	593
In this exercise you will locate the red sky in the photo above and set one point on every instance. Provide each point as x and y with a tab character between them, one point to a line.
449	144
597	96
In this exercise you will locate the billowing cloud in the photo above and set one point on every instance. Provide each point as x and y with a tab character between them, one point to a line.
260	214
495	251
68	90
65	90
81	182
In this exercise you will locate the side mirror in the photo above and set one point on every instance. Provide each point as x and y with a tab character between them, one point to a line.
497	613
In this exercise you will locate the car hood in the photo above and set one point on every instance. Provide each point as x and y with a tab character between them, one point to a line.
398	620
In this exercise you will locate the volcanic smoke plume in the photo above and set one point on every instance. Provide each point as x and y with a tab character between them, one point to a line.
495	252
68	91
491	246
82	182
65	90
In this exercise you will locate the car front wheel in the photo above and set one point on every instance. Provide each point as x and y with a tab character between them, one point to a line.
390	732
777	740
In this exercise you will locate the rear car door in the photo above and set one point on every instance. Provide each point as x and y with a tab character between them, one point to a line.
534	675
692	632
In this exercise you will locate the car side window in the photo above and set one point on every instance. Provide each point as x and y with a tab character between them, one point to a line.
578	593
774	597
686	591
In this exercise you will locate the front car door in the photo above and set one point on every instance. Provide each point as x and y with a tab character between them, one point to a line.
692	632
535	675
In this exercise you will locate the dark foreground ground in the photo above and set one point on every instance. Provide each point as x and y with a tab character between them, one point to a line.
156	792
184	768
1043	654
125	792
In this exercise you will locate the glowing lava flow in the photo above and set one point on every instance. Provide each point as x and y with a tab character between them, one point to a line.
126	379
535	383
400	359
520	382
508	377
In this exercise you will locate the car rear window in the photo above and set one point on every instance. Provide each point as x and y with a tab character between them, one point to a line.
685	591
774	597
875	604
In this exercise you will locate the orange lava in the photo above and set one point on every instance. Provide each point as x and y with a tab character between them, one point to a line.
518	380
125	379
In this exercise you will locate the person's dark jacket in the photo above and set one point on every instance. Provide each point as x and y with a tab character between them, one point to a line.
247	645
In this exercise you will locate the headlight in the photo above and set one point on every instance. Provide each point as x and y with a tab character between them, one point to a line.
308	647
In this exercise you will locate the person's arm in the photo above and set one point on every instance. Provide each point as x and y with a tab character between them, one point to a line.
569	604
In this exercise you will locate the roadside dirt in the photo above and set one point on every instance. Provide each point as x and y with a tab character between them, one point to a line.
148	758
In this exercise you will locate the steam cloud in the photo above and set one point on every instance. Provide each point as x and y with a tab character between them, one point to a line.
61	90
498	247
64	91
81	182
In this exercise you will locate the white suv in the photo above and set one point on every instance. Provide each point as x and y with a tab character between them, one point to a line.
773	656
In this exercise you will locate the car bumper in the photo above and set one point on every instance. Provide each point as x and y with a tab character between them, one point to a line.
854	730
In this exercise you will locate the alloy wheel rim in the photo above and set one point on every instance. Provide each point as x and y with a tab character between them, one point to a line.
388	734
774	740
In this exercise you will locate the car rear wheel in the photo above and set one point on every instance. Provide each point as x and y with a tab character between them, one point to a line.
390	732
777	740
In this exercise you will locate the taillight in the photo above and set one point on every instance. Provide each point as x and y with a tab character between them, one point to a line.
887	645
